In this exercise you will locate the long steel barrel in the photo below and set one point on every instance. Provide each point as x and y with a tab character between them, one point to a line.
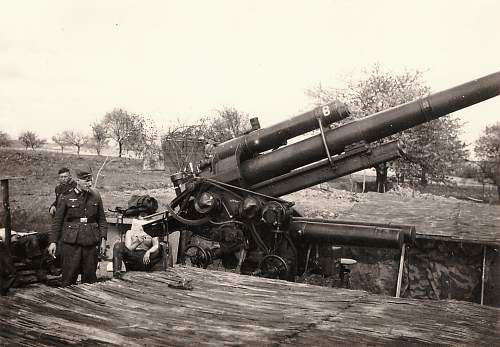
272	137
409	231
352	235
371	128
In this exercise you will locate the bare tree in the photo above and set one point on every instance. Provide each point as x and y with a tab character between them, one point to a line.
60	140
183	143
100	137
227	124
487	149
4	139
143	138
121	127
31	140
75	138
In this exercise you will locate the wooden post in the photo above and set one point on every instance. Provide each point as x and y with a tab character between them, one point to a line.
183	240
6	208
400	272
483	274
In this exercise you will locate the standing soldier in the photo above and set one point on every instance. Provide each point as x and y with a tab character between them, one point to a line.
81	226
66	184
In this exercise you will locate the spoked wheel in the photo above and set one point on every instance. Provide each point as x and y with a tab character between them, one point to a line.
273	266
197	256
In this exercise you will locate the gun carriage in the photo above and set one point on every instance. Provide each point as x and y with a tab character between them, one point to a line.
233	197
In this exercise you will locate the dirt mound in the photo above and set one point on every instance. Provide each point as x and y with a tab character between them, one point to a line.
324	202
408	192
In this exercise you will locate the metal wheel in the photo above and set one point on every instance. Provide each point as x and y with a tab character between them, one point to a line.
197	256
273	266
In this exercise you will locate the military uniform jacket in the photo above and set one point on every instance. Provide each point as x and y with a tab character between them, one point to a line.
63	189
79	219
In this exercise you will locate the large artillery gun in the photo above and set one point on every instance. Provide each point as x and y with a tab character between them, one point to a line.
233	197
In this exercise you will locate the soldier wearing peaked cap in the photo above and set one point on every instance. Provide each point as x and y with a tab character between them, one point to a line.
80	226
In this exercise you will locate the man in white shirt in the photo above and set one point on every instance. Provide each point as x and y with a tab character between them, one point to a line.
139	252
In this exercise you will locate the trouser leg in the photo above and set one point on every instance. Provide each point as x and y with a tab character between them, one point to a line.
156	257
7	269
31	246
118	250
89	264
71	263
58	259
134	260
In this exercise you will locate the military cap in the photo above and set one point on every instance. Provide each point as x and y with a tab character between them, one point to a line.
83	175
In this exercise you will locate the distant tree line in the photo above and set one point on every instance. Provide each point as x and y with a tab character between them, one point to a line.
433	150
139	135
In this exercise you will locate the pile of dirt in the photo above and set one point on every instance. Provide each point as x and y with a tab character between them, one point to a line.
406	191
324	202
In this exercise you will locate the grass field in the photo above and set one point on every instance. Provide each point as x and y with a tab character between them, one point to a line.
120	178
31	196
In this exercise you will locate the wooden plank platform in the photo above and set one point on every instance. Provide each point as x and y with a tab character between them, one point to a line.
438	218
229	309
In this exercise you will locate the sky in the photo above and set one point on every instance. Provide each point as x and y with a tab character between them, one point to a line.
65	64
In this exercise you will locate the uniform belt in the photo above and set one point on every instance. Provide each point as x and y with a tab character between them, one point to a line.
79	220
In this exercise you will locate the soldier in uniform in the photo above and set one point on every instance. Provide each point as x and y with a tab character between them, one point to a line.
80	226
66	185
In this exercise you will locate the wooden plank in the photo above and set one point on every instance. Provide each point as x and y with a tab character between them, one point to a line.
229	309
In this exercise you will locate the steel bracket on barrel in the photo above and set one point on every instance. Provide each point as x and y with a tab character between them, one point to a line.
326	112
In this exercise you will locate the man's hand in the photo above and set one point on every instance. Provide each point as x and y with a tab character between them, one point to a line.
146	259
52	249
52	210
102	249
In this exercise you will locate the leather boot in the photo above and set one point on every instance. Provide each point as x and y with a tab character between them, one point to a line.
117	259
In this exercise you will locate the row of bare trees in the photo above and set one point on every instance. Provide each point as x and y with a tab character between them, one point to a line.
71	138
140	135
129	131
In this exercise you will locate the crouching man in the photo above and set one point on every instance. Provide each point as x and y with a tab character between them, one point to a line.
139	252
79	226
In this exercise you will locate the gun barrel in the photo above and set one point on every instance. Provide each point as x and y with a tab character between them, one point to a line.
409	231
272	137
371	128
350	234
